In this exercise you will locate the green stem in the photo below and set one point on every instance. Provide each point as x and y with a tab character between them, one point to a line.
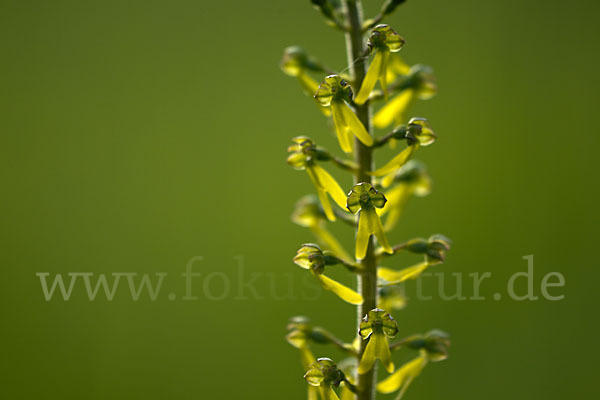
367	280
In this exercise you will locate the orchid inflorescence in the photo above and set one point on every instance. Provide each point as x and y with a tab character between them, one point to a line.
372	205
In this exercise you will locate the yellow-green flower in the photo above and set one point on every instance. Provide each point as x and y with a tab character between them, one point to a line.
433	346
417	133
297	63
377	327
303	156
435	343
411	179
298	336
311	257
420	84
366	199
310	215
335	92
391	298
325	375
434	249
402	378
382	41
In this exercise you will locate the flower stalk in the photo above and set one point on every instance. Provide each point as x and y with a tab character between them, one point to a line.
372	207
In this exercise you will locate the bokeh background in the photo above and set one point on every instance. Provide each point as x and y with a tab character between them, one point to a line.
139	134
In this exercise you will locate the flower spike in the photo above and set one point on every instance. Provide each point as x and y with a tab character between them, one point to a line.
303	156
377	326
335	92
365	198
311	257
382	41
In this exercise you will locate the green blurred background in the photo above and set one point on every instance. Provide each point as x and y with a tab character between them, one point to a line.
139	134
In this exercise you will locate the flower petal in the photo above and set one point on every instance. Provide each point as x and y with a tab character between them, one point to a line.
331	186
394	277
362	235
343	292
357	127
403	376
377	347
309	85
383	353
383	74
394	110
341	127
397	198
378	231
328	393
321	193
307	358
368	358
346	393
370	80
397	162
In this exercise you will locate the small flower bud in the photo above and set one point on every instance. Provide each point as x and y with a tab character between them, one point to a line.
419	131
418	246
434	342
310	256
303	150
434	248
299	328
438	246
